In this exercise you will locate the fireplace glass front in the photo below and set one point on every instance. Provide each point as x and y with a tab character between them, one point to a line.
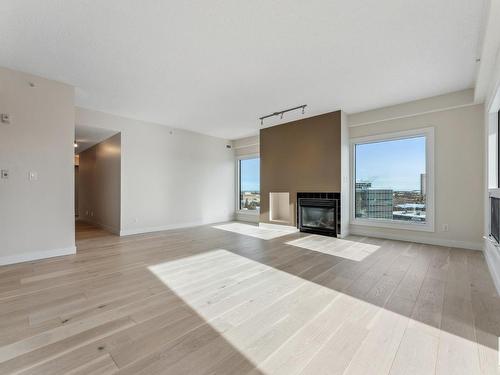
318	217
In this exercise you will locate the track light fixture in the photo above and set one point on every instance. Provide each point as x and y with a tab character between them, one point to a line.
281	113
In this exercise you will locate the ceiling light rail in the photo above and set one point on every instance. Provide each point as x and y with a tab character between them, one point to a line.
280	113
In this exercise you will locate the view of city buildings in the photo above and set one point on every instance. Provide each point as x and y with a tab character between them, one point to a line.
387	187
249	184
249	200
377	203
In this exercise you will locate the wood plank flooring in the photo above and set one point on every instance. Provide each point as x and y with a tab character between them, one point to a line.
231	300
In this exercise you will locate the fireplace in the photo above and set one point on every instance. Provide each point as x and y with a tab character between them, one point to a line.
318	213
495	218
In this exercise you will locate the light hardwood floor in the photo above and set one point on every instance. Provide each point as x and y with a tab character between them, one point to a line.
210	300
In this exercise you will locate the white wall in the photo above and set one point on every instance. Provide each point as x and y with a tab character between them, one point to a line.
423	106
170	178
37	216
459	183
100	184
488	89
491	251
345	184
246	146
491	120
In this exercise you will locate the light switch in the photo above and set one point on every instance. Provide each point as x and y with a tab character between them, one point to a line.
4	173
32	176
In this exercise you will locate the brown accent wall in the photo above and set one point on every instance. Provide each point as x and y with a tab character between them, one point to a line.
302	155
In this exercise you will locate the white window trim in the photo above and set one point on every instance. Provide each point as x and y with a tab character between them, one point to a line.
428	226
238	210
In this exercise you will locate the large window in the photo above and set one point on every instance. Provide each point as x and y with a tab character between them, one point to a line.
249	184
393	180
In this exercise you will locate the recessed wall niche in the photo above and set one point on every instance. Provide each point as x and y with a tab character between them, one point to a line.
279	207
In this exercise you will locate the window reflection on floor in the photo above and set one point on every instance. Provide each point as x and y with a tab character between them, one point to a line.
353	250
255	231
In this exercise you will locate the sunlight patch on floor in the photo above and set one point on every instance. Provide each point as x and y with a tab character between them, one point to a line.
353	250
284	324
254	231
254	307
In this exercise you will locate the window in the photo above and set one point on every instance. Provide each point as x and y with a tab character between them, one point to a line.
392	180
498	149
249	184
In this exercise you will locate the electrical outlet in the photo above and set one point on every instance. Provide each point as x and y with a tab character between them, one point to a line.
444	228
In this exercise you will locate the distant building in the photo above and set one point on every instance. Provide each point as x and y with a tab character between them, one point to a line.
410	212
373	203
412	206
409	215
363	185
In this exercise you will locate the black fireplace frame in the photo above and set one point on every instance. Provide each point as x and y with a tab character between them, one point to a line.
331	200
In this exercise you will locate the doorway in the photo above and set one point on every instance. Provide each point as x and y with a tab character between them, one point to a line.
97	182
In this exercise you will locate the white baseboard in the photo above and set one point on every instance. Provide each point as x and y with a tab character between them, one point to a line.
250	218
369	232
492	256
36	255
132	231
279	227
343	235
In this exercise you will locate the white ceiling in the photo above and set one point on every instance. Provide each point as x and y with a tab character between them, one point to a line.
86	136
216	66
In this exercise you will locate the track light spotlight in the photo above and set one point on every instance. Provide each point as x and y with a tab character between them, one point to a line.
281	113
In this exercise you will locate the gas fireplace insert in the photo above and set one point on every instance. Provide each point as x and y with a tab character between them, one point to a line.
318	213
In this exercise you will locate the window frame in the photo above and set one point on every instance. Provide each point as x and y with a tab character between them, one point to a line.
238	185
428	226
497	150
